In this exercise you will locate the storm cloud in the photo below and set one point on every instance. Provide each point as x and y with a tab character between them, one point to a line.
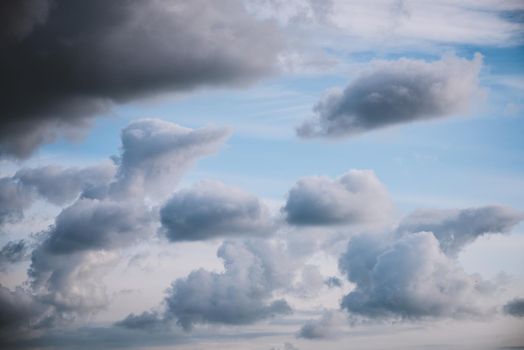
211	209
357	197
395	92
457	228
74	59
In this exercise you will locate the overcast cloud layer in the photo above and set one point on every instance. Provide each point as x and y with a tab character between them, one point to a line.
395	92
75	59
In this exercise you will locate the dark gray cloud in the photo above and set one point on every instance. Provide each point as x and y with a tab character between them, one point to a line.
242	294
18	18
155	153
211	209
357	197
19	313
13	252
515	307
74	59
396	92
409	278
456	228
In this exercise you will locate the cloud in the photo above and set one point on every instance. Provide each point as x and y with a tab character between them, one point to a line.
20	313
395	92
456	228
74	60
324	328
211	209
14	199
60	185
240	295
333	282
13	252
515	307
91	224
55	184
155	153
409	278
357	197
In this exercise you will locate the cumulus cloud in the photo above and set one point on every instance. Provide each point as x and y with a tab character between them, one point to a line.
211	209
456	228
396	92
155	153
357	197
515	307
242	294
409	278
75	59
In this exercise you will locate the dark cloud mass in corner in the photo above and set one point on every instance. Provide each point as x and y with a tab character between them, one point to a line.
396	92
456	228
74	59
211	209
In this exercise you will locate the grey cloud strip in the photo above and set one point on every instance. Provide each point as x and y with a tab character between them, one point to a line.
357	197
242	294
75	59
456	228
396	92
211	209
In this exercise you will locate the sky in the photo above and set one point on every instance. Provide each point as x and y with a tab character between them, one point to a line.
262	174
